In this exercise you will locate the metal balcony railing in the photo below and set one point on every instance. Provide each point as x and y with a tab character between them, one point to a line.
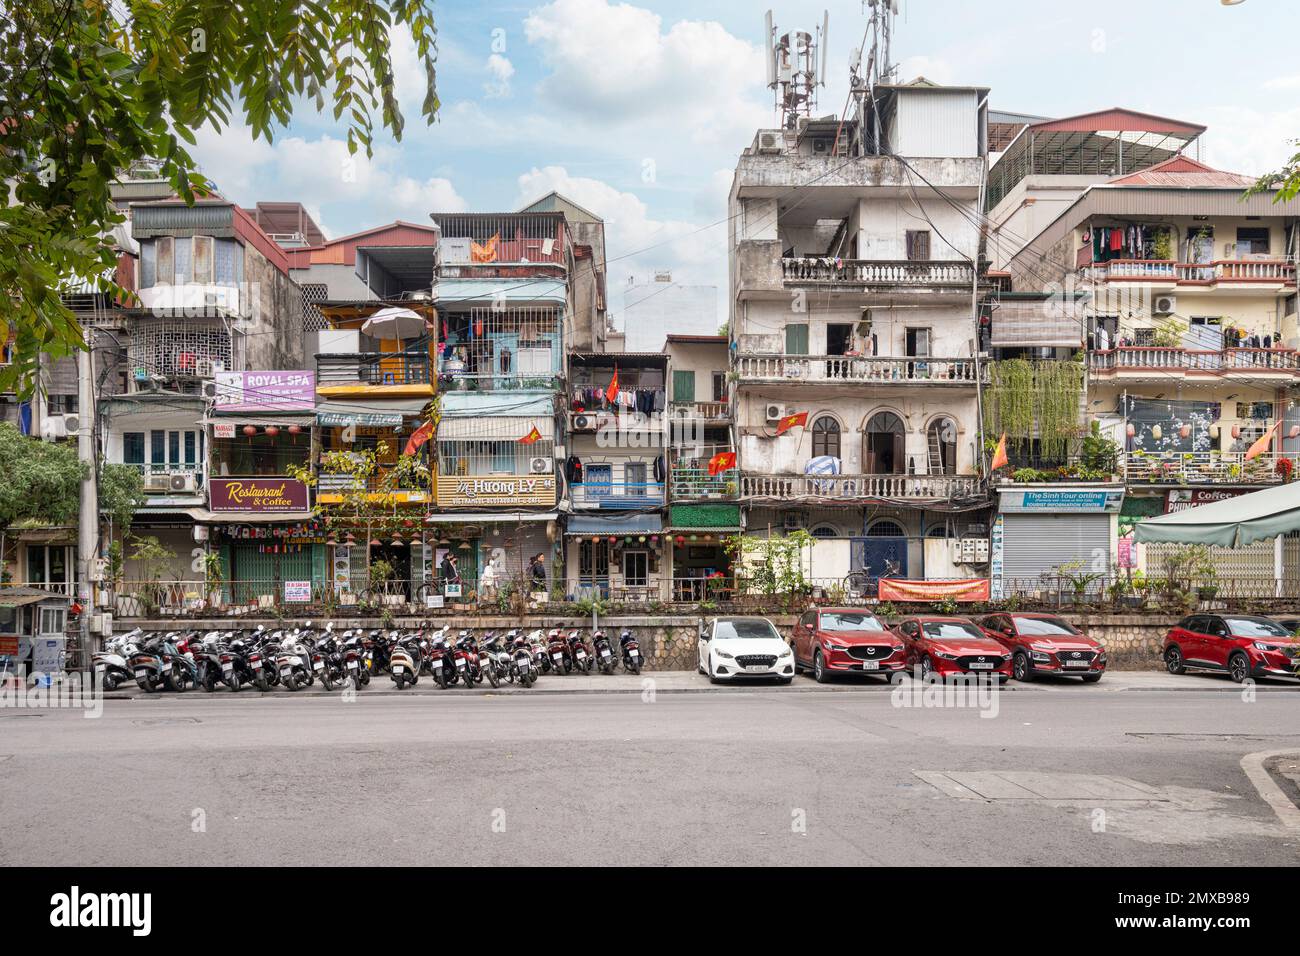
618	495
1201	468
854	368
703	411
373	368
690	483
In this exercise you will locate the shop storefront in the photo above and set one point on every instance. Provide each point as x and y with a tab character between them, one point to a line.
1042	532
485	557
623	558
698	553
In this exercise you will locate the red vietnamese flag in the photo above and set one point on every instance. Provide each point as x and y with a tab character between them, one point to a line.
790	421
418	438
722	461
1262	442
611	393
532	436
999	454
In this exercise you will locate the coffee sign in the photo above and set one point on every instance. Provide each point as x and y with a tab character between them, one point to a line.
257	494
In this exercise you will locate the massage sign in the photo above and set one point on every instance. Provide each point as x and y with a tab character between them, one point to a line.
257	495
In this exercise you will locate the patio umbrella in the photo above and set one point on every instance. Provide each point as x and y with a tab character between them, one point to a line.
1231	523
395	322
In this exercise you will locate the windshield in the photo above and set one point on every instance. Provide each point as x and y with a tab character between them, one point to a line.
849	622
1255	627
1044	627
731	630
945	630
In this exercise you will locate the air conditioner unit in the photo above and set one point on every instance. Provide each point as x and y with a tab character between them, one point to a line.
540	465
1164	305
157	483
769	142
774	412
209	390
183	481
54	426
208	368
583	422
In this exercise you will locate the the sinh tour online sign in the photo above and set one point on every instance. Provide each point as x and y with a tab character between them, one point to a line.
257	494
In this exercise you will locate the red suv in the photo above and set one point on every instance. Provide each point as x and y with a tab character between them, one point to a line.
845	640
1046	644
1244	645
952	645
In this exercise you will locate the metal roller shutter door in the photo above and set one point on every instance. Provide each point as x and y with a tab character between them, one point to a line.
1033	544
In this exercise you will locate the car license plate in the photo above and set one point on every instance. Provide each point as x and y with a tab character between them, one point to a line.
755	667
871	665
981	666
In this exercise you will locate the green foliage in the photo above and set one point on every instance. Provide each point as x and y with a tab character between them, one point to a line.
381	572
771	565
40	481
592	605
121	494
90	89
1034	399
1100	454
152	557
1285	180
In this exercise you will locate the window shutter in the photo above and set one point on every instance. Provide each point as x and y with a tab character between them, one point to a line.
796	339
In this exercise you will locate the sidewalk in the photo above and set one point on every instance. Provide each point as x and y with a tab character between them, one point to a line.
689	682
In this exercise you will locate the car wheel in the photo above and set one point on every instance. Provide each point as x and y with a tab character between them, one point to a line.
1021	669
1091	678
819	668
927	667
1238	667
1174	660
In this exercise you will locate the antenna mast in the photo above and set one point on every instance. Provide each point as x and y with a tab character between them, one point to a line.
796	66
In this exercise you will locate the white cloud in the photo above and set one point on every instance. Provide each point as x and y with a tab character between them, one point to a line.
613	64
1291	82
501	71
1248	141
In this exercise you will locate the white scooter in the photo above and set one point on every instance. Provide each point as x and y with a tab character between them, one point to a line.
110	666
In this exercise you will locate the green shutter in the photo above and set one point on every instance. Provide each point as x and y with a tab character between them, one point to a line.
796	339
683	386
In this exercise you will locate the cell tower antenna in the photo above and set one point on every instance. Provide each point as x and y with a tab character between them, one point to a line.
795	68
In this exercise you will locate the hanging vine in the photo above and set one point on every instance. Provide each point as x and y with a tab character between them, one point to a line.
1035	399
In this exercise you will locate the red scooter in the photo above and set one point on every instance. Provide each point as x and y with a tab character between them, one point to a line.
583	661
557	650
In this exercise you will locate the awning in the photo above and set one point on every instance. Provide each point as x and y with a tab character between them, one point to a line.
615	524
375	414
484	292
21	597
510	428
1233	523
481	517
236	418
248	517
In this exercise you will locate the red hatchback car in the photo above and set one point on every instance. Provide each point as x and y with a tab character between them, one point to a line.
846	640
1046	644
952	645
1243	645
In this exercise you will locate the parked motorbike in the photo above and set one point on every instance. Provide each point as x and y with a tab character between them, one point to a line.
236	668
468	665
356	659
498	660
603	653
263	652
207	658
442	659
583	660
406	660
537	646
557	649
631	652
327	652
524	664
294	661
111	667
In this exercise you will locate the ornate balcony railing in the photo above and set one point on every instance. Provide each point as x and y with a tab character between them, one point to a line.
621	494
1169	271
1201	468
923	274
859	487
1193	360
855	368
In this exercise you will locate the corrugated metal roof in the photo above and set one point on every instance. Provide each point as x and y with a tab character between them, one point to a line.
486	291
1187	173
615	524
1118	119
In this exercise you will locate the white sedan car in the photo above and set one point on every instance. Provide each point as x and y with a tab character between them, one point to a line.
741	647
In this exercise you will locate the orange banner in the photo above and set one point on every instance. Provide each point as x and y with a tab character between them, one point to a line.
901	589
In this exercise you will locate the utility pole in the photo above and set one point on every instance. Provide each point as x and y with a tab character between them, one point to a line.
88	513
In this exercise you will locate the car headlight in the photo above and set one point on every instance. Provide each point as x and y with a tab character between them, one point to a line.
725	654
1045	648
945	655
1260	646
786	652
834	645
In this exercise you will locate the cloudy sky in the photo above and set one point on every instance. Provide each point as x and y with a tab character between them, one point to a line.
638	110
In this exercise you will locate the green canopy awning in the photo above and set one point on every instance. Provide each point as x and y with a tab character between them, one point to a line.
1233	523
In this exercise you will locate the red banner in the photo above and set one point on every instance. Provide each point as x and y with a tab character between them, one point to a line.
902	589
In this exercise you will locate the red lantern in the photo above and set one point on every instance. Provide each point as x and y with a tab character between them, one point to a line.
1130	430
1185	431
1236	431
681	539
272	431
249	430
612	539
295	429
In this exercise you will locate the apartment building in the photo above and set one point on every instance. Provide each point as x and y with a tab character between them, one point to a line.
855	260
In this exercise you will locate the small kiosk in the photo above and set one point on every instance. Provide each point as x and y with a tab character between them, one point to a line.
32	631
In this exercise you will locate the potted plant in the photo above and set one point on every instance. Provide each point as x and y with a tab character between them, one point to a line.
213	576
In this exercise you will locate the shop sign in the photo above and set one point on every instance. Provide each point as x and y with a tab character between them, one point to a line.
1180	499
223	430
1069	500
257	494
344	419
996	541
900	589
503	490
276	391
9	646
297	592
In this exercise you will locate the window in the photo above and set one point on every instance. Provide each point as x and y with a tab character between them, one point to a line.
53	620
598	479
62	404
825	531
636	569
1252	241
165	261
886	529
796	339
918	244
918	343
846	621
133	448
826	437
202	256
634	478
683	386
48	565
883	445
941	447
719	386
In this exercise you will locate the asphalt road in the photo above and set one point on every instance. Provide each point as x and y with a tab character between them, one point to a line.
761	776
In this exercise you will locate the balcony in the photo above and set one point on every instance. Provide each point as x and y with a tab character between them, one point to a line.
1200	468
502	245
1166	275
707	412
836	369
859	488
867	274
334	489
606	496
388	373
1136	363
